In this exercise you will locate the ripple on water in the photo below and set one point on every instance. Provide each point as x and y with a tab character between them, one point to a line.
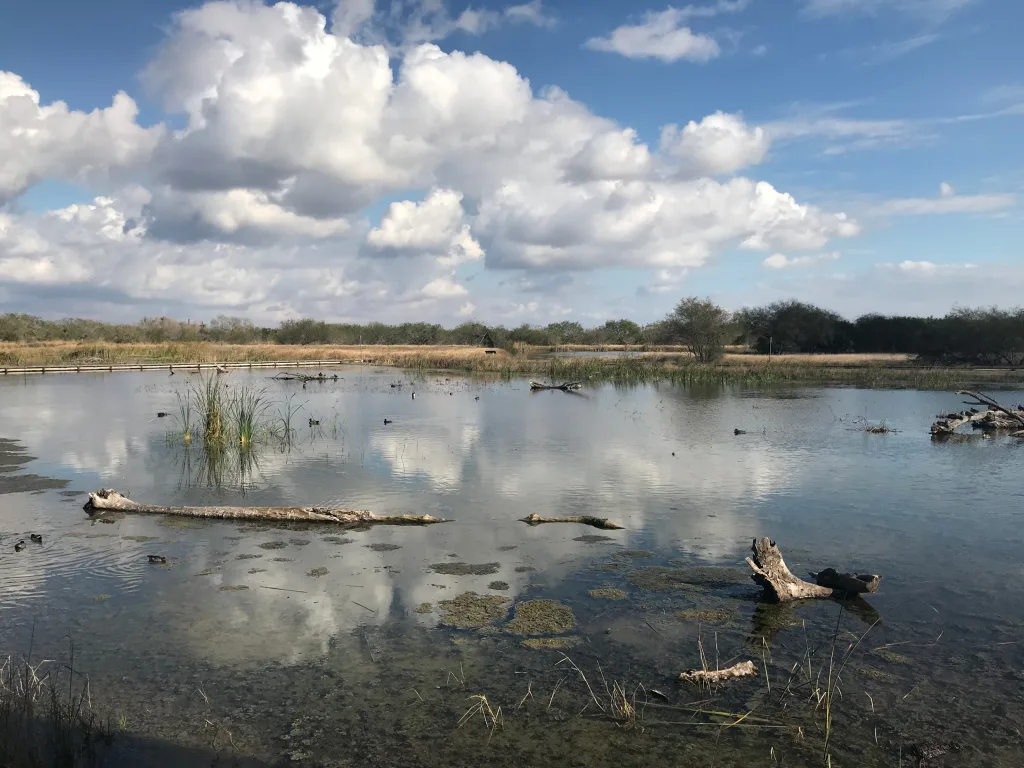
27	574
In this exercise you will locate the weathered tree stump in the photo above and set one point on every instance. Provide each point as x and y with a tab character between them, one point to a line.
772	573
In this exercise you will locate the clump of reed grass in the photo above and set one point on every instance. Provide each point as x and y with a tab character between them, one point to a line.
183	417
46	721
211	408
282	427
248	406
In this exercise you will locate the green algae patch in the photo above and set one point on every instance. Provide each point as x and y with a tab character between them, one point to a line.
876	674
891	657
208	571
507	547
465	569
525	569
554	643
140	539
180	521
383	547
607	593
498	585
707	615
686	578
248	557
424	608
273	545
472	611
541	617
591	538
337	540
633	554
253	571
237	588
318	572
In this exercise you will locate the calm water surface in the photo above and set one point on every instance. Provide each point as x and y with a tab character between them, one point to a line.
306	645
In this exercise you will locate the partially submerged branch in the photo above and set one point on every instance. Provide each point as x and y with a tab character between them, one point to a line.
995	418
108	499
597	522
569	386
711	677
772	573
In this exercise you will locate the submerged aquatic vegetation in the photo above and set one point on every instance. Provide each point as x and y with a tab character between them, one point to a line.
686	578
607	593
541	617
472	611
550	643
706	615
465	569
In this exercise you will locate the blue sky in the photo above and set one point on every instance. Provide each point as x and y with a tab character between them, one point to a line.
903	115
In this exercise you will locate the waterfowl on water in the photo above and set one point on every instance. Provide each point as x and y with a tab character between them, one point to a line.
157	559
19	546
739	431
477	397
388	421
36	538
314	422
413	395
161	414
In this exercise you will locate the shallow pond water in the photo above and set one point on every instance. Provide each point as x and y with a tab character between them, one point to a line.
310	645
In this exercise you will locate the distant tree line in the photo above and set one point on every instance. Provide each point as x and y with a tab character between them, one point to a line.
973	336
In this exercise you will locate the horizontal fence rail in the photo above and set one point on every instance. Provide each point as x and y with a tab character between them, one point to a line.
112	368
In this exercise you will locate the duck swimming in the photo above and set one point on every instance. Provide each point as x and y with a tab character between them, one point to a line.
36	538
19	546
160	559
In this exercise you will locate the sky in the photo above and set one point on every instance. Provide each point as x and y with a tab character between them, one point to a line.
509	163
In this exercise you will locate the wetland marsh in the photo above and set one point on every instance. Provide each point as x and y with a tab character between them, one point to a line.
488	640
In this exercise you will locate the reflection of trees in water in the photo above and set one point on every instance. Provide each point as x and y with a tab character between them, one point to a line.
217	468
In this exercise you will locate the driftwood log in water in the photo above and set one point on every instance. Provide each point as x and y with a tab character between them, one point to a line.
772	573
108	499
710	677
995	417
569	386
597	522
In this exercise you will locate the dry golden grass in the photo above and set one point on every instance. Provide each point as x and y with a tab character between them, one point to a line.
674	363
83	353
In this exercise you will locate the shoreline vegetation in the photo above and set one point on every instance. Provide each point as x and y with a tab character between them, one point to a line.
605	362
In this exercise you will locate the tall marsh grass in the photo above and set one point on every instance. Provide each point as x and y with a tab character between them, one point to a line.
46	717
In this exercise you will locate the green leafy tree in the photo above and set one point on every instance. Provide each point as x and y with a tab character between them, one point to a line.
701	325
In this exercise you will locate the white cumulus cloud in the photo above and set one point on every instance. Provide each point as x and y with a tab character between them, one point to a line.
718	144
53	142
292	131
662	35
781	261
